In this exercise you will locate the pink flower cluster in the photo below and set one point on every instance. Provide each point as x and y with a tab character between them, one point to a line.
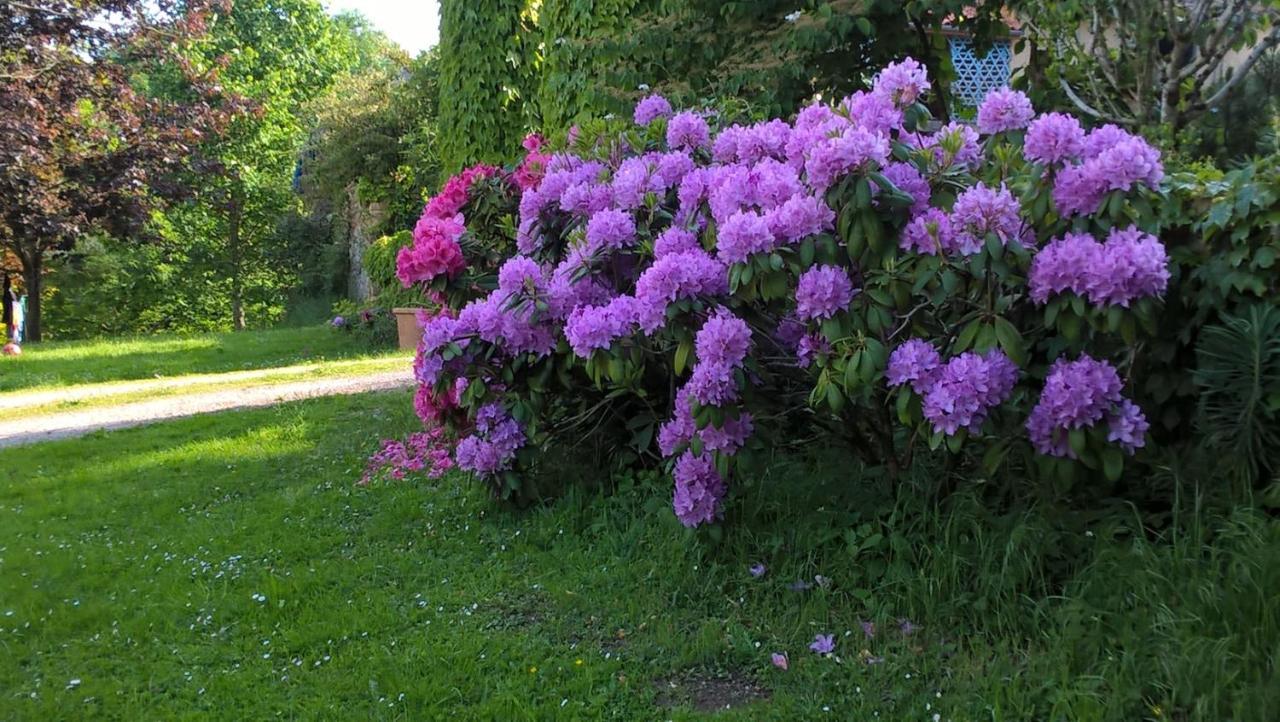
426	452
435	250
958	394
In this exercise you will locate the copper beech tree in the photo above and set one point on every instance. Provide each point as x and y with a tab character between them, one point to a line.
98	111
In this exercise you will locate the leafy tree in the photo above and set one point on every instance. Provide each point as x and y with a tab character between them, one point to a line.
84	142
281	53
1149	62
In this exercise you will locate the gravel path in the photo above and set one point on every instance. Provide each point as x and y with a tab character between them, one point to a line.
69	424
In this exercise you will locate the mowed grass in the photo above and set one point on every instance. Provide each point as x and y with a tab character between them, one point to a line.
228	567
66	363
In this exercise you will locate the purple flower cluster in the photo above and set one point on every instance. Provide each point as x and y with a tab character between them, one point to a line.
914	362
493	446
1114	160
1129	266
651	108
1053	138
903	82
611	229
929	233
592	328
699	489
960	393
1004	109
688	131
979	211
1078	394
822	292
855	150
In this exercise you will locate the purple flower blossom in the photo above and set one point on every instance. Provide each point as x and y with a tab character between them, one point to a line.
773	183
681	275
589	328
520	274
723	340
1064	264
675	240
725	147
610	229
903	82
955	144
809	347
854	150
763	140
822	292
966	389
688	131
742	234
493	445
875	112
914	361
907	627
929	233
758	570
1053	138
699	490
339	322
1076	394
651	108
1128	426
868	629
823	643
799	217
1004	109
980	210
779	660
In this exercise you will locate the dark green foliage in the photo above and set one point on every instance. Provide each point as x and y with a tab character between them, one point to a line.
576	64
486	69
1238	380
380	265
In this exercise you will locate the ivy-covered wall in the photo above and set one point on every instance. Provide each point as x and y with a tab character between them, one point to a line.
487	60
578	37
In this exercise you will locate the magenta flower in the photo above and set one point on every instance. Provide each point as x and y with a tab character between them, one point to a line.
779	660
823	643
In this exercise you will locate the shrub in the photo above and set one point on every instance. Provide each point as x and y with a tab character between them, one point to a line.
373	326
720	288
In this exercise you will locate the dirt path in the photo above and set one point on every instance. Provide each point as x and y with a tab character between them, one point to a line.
70	424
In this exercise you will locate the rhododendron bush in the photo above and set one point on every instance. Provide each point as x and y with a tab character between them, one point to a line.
683	289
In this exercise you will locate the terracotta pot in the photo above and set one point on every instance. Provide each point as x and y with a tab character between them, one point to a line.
407	328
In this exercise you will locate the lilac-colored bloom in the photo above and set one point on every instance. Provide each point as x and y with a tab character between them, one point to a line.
929	233
339	322
854	150
907	627
520	274
1053	138
1133	265
675	240
723	340
651	108
875	112
868	629
725	147
823	643
822	292
688	131
699	490
903	82
1064	264
979	211
758	570
742	234
773	183
779	660
914	362
493	446
809	347
763	140
1004	109
1128	426
965	390
611	229
1076	394
800	217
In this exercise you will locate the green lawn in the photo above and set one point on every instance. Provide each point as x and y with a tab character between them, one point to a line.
227	567
66	363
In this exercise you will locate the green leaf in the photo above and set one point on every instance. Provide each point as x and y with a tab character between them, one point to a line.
1112	463
682	355
1010	340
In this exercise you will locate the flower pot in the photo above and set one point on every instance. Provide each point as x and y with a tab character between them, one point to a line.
407	328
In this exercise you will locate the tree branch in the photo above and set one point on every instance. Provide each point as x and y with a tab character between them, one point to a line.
1271	41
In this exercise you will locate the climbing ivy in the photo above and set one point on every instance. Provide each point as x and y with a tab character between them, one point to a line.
575	64
487	65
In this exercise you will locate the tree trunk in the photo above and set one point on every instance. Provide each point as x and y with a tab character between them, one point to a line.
31	278
235	212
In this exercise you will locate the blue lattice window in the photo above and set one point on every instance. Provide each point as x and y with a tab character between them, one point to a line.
975	76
